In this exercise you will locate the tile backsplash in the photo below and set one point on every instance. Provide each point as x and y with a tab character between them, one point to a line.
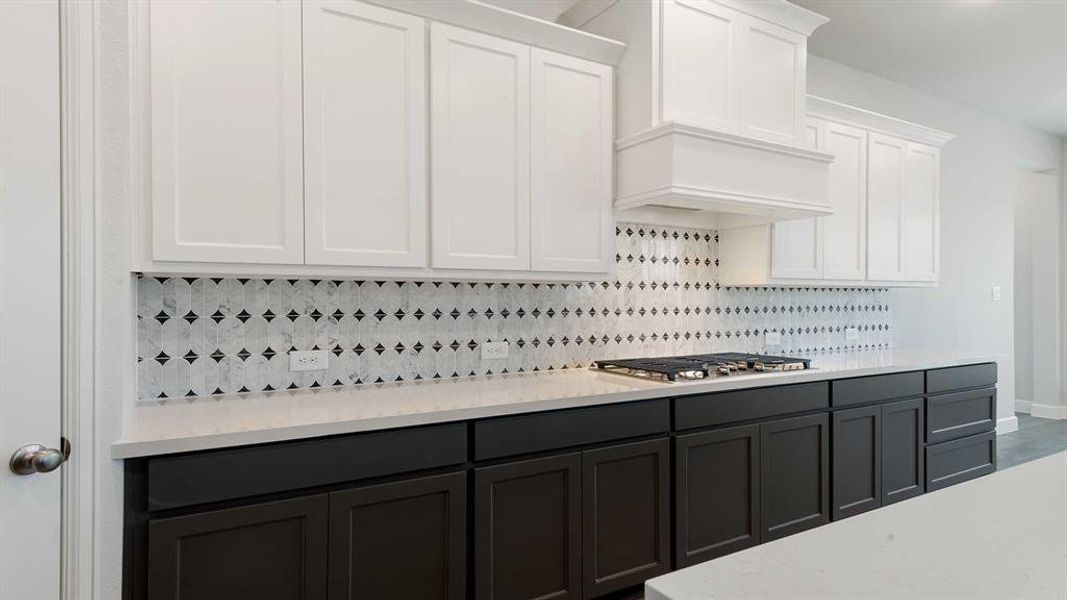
202	336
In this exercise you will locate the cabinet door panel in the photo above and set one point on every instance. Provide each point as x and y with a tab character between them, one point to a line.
365	135
844	247
920	235
797	244
400	540
571	177
699	37
625	515
480	130
717	493
774	66
903	467
885	196
226	132
528	529
795	475
857	461
275	550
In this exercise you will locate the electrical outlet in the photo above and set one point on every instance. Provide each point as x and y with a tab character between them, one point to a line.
772	338
996	293
309	360
494	350
852	334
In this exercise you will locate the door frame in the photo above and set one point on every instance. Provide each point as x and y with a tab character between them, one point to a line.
77	46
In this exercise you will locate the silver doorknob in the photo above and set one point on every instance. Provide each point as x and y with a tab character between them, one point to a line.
35	458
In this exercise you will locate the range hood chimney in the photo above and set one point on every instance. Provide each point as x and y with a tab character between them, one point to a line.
710	111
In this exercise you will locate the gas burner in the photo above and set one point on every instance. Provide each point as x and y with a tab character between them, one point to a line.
702	366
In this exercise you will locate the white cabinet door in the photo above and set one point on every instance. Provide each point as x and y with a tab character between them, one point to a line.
920	218
844	233
886	157
365	105
226	131
570	172
480	156
773	62
796	246
699	63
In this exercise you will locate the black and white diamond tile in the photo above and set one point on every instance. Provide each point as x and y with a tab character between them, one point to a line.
203	336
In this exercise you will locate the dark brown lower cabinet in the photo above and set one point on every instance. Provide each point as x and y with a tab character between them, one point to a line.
794	475
903	472
857	461
269	551
528	529
405	539
625	515
717	493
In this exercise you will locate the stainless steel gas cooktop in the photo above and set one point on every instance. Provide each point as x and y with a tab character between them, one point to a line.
701	366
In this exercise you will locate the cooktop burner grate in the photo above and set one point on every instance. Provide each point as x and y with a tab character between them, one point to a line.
700	366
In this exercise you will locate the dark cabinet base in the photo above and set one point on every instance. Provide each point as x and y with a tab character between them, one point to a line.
794	475
960	460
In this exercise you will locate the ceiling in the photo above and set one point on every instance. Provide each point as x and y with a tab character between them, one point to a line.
1008	57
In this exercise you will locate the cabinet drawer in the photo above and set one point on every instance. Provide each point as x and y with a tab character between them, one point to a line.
960	460
958	415
865	390
188	479
961	378
509	436
706	410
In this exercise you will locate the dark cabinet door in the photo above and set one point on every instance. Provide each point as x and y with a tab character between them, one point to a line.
903	472
857	461
269	551
717	493
528	529
794	471
625	515
405	539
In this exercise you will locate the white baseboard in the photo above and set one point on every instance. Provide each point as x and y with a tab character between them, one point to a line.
1048	411
1007	425
1022	406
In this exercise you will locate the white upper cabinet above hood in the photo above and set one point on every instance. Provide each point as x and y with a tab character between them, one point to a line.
710	110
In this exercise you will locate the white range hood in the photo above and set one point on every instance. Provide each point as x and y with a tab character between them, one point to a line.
710	111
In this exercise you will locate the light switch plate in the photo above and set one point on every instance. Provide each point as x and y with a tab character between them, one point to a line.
494	350
772	338
996	293
309	360
852	334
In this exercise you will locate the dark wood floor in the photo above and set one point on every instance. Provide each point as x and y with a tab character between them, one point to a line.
1036	438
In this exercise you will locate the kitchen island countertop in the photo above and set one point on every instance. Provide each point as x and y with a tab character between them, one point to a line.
155	427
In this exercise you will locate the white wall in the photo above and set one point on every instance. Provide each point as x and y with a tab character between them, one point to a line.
979	182
1024	311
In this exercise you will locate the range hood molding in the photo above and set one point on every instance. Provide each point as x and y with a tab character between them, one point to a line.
683	168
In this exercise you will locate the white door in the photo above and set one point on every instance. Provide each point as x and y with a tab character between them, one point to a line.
29	294
365	139
480	157
773	67
919	214
796	246
885	193
570	164
226	131
844	233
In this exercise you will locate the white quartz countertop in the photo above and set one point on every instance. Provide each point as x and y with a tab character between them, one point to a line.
1001	536
155	427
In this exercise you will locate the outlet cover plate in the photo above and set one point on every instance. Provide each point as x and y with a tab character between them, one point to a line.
772	338
852	334
494	350
309	360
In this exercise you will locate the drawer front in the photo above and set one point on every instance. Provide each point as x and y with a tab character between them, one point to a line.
523	434
188	479
707	410
961	378
960	460
866	390
961	414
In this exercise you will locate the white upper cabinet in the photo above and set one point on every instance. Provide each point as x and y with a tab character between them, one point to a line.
844	233
365	135
225	140
797	245
773	64
480	123
885	193
573	226
919	218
